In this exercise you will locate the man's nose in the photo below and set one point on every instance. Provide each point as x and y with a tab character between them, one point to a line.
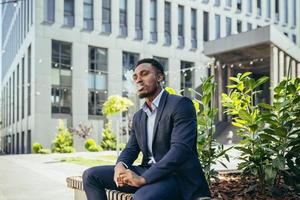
138	79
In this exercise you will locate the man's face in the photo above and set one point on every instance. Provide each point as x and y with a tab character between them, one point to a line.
147	79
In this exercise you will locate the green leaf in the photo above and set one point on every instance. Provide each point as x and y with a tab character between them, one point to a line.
268	137
243	114
261	81
246	74
265	105
279	162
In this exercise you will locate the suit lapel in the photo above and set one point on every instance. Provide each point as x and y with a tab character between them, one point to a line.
143	128
161	107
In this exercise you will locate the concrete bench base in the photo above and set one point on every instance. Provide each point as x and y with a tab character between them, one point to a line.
75	182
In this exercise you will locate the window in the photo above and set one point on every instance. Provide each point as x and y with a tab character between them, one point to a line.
187	78
258	6
9	101
69	12
228	26
49	10
180	26
294	39
153	21
88	19
268	8
129	61
29	82
23	88
13	98
123	17
228	3
217	3
61	97
138	19
165	63
205	26
239	26
106	16
249	26
28	143
194	28
277	10
97	80
294	14
218	26
239	5
167	23
249	6
286	12
18	92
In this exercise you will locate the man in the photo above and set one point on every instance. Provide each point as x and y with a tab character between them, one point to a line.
164	130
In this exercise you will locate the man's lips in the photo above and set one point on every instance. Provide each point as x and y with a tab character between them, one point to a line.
140	88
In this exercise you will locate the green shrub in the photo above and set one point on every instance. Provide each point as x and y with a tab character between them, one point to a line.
109	140
36	147
63	142
44	151
92	146
89	142
95	148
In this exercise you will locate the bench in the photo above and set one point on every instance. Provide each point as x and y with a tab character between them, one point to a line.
75	183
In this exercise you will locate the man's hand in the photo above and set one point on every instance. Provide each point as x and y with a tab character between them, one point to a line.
130	178
119	168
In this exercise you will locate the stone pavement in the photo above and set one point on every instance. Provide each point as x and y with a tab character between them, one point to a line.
42	177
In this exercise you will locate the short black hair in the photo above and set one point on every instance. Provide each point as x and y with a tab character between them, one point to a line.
155	63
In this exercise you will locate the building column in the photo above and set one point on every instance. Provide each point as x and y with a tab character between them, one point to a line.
160	22
146	20
78	14
97	11
293	68
115	13
174	23
187	27
131	18
281	66
287	66
298	70
199	29
59	12
274	66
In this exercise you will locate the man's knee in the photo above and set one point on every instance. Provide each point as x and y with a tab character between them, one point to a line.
87	176
143	195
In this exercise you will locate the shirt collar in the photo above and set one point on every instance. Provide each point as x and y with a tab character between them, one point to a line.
154	104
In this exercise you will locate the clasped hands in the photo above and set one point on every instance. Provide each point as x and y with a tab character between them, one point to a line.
125	176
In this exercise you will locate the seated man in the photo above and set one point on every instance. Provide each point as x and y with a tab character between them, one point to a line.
165	131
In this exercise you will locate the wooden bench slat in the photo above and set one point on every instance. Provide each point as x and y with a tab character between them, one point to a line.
75	182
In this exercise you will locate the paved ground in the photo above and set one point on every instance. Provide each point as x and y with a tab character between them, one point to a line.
42	177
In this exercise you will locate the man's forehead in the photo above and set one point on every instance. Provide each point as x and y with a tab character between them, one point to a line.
143	66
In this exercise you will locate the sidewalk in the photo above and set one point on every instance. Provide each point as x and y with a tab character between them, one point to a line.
43	177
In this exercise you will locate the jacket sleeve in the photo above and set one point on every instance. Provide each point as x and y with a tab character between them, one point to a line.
183	139
132	149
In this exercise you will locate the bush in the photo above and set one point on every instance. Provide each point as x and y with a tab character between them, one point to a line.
109	140
36	147
63	143
89	142
92	146
44	151
95	148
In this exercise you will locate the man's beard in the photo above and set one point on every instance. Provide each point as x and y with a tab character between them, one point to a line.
146	94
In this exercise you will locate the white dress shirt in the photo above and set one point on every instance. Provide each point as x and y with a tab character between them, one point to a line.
150	123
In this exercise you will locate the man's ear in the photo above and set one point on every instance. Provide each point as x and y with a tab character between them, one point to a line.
160	77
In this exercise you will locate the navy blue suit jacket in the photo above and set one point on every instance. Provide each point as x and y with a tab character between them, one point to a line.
174	145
